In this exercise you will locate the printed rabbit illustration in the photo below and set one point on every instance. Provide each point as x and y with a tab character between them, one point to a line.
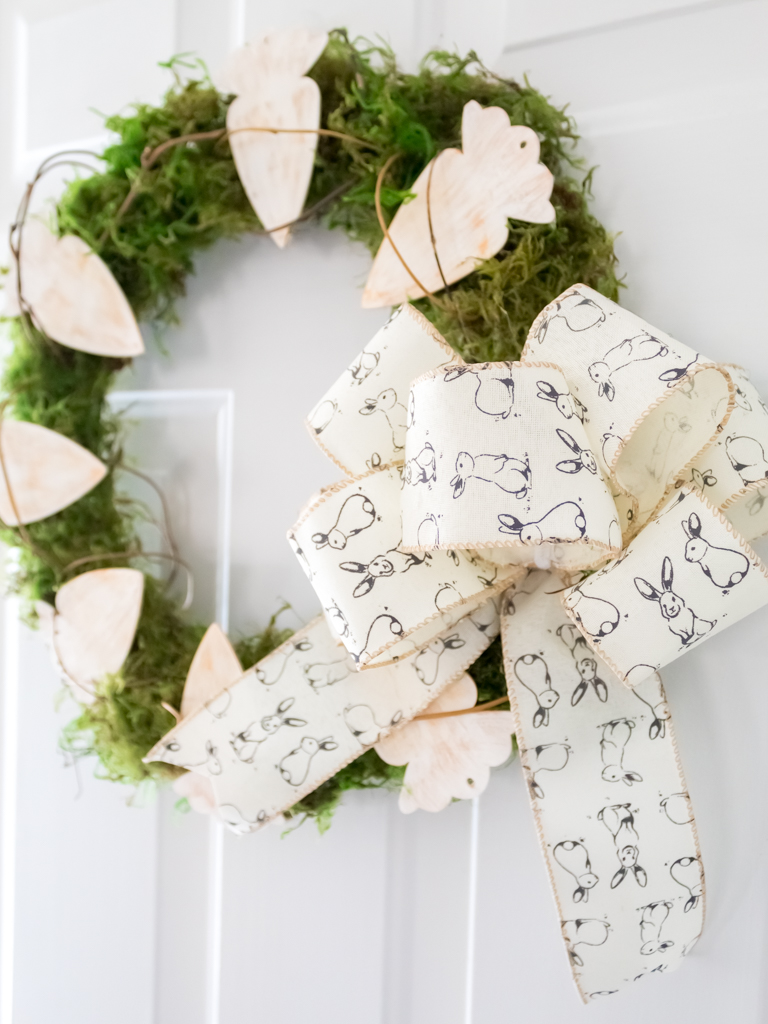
428	533
395	412
564	522
747	457
273	673
422	469
320	417
427	662
596	616
380	633
725	567
219	706
210	766
391	563
324	674
611	445
572	856
337	620
620	822
494	396
510	474
548	757
566	403
584	457
653	919
355	515
651	693
301	555
578	316
673	429
677	808
361	721
364	366
583	932
247	746
676	373
687	872
680	619
294	767
632	350
533	673
703	478
586	664
616	736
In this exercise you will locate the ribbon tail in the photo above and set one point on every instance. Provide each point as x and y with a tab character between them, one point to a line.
609	800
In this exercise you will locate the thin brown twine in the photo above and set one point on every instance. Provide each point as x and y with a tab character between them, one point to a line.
150	156
463	711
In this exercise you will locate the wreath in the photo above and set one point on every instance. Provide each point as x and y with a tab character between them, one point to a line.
168	188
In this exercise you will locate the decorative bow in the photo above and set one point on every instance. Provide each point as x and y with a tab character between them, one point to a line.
558	499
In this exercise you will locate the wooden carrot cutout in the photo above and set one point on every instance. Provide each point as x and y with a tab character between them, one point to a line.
73	296
448	757
46	472
91	629
214	667
472	194
275	169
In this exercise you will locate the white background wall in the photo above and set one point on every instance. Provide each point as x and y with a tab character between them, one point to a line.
134	914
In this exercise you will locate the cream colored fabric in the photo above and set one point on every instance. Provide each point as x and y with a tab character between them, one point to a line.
683	579
610	803
732	472
497	460
384	602
303	712
360	421
651	404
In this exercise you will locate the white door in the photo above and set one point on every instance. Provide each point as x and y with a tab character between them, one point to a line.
136	914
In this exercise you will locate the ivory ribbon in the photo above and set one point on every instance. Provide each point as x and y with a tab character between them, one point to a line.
591	453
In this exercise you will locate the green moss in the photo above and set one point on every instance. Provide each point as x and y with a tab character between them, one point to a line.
185	202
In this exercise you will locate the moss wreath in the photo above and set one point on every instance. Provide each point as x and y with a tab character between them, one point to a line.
169	188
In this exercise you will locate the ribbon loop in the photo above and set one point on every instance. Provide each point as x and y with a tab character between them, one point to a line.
360	421
383	601
651	403
497	460
683	579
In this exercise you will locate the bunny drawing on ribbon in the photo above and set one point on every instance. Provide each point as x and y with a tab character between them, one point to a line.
210	766
725	567
565	521
380	633
584	457
652	921
572	856
651	693
596	616
620	822
583	932
677	807
616	736
295	647
363	366
294	767
361	721
246	746
579	316
510	474
355	515
631	350
566	403
427	662
395	412
586	664
422	468
680	619
548	757
391	563
494	396
532	671
687	872
747	456
323	674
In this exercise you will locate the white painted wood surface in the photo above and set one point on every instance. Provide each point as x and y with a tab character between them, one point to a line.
445	918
